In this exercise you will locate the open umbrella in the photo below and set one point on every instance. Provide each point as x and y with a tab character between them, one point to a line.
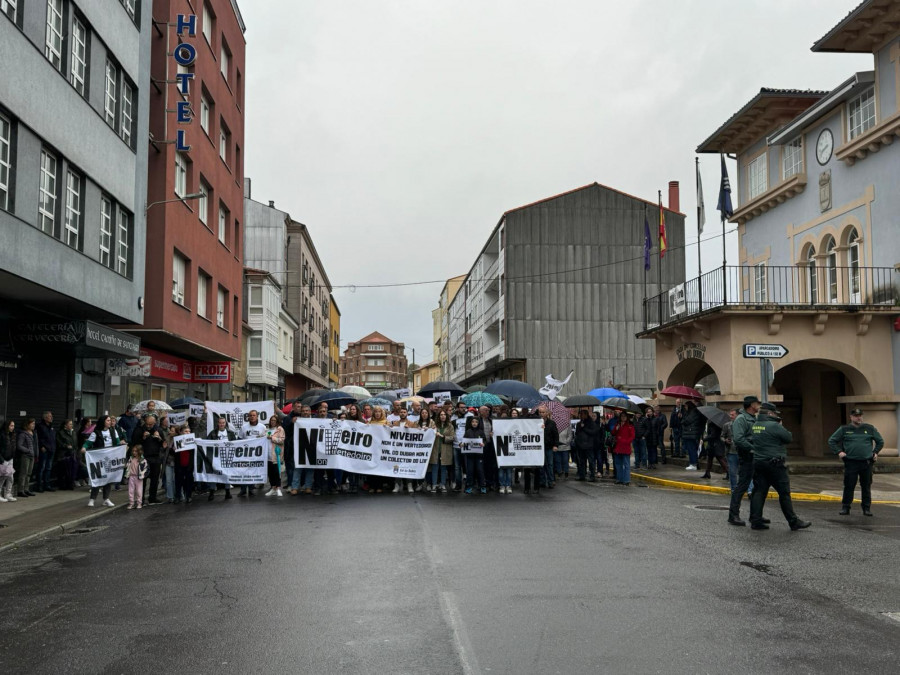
513	389
334	399
375	402
531	401
310	394
558	413
287	409
408	399
715	415
582	401
480	398
476	387
185	402
637	400
619	403
358	392
606	392
388	395
680	391
441	385
141	407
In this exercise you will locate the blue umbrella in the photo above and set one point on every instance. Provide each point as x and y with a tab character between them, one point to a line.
480	398
512	389
604	393
334	399
185	402
375	401
531	401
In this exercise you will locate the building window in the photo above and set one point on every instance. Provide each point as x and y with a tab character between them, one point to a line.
208	26
106	234
78	76
179	276
204	113
756	176
224	141
203	203
180	175
792	158
224	60
220	308
111	96
54	38
127	121
760	291
10	8
812	276
47	198
254	352
376	348
73	210
124	232
861	112
130	8
5	161
223	222
853	267
831	279
203	281
236	242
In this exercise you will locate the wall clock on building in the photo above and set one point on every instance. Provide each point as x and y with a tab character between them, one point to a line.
824	146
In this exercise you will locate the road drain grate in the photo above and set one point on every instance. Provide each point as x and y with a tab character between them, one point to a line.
86	530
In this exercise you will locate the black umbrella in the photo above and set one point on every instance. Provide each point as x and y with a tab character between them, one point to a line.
443	385
334	399
581	401
512	389
618	403
715	415
185	402
307	396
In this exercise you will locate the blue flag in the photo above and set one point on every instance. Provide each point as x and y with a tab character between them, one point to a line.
647	244
724	205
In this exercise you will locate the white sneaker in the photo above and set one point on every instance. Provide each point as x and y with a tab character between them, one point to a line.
278	492
396	488
90	502
2	500
107	502
509	489
410	488
690	467
270	493
10	498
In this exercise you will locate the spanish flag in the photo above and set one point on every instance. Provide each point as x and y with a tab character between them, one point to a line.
662	229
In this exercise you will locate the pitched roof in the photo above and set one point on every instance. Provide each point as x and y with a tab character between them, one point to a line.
375	336
863	30
579	189
770	109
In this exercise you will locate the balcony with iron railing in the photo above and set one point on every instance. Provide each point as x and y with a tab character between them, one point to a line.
773	288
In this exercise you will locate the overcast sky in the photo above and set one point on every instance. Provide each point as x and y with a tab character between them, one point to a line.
400	131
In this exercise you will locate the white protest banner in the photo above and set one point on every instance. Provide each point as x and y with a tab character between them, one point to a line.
519	442
362	448
196	410
185	442
236	462
106	465
471	446
441	396
176	419
551	389
236	413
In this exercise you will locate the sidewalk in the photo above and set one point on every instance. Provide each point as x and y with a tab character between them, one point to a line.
804	486
51	513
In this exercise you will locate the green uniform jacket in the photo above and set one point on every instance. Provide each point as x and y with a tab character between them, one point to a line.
858	442
741	433
769	439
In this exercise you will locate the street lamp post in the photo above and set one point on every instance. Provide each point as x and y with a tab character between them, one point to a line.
195	195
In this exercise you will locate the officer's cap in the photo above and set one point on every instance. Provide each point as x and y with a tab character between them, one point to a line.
856	411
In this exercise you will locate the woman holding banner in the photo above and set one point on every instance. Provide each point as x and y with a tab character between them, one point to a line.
275	436
423	421
103	436
184	469
442	452
221	433
379	418
474	460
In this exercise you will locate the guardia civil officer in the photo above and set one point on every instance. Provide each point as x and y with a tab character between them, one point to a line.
769	469
858	444
742	437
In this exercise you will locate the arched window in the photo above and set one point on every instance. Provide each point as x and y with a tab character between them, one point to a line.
812	276
853	266
831	278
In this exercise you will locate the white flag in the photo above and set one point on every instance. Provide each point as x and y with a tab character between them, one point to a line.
701	207
551	389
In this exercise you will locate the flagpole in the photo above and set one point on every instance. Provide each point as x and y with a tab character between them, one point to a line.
659	253
699	227
646	318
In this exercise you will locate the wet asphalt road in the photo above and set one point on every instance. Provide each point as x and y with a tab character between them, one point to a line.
583	579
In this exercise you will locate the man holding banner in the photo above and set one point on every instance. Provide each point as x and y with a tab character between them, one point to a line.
220	433
105	456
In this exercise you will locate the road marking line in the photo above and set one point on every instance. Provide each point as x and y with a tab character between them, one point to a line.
44	618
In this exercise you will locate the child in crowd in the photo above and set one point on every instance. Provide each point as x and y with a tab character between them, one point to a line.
137	471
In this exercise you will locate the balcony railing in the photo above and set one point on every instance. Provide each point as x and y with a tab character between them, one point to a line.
768	287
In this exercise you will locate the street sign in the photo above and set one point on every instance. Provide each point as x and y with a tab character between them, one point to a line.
765	351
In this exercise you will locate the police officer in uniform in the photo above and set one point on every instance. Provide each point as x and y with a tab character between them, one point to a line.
769	455
858	444
742	437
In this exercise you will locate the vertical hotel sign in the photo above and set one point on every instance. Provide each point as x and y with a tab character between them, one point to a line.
184	54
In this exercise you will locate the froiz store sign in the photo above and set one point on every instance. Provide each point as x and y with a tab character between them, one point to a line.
184	54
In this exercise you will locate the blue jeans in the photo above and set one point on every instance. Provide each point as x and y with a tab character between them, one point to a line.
623	468
561	461
640	452
692	446
474	468
44	471
504	475
733	463
439	474
676	443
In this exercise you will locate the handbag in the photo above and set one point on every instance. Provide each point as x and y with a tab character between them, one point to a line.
6	469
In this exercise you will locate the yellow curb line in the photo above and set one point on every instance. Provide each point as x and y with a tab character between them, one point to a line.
799	496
